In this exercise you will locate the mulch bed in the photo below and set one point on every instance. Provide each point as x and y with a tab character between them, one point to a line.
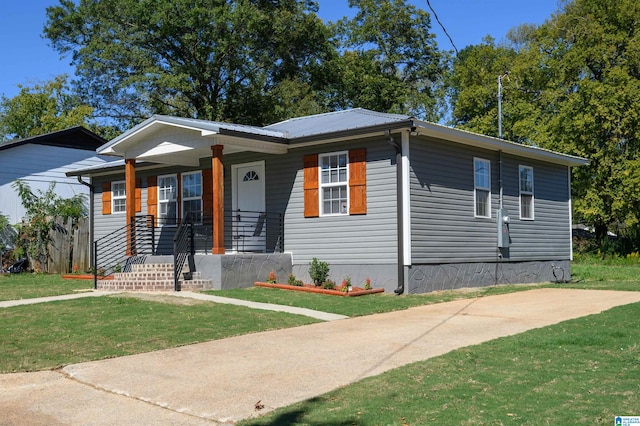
310	288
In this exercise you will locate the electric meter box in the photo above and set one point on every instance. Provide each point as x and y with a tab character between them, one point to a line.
503	228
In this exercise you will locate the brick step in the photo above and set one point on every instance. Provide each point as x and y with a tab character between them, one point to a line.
153	277
149	276
166	285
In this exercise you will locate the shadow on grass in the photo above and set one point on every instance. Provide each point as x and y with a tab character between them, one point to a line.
295	415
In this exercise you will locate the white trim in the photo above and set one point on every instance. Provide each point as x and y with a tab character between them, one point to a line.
406	200
521	193
570	213
114	198
475	188
321	186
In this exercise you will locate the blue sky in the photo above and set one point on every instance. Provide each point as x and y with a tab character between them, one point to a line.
27	59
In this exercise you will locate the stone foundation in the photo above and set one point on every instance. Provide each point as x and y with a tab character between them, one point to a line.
428	278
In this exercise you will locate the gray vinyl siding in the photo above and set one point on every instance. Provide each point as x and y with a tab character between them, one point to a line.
349	239
443	226
547	237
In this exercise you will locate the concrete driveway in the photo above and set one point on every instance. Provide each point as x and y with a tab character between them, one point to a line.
221	381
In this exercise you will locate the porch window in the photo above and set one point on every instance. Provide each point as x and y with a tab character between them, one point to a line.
167	199
334	178
482	187
118	197
526	192
192	195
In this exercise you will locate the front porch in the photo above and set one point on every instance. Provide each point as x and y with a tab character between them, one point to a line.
176	254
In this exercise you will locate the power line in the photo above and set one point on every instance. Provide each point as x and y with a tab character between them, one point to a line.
435	15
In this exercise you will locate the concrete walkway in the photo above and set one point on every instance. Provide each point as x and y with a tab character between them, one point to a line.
220	382
323	316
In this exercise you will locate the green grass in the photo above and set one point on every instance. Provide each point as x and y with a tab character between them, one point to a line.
583	371
28	286
361	305
49	335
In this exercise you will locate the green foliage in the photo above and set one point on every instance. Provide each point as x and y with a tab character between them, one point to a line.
329	285
42	208
388	60
318	271
210	60
574	86
7	234
41	109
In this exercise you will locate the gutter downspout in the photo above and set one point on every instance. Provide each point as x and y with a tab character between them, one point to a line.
402	201
91	198
399	210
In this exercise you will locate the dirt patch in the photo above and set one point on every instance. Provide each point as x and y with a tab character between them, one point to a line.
163	298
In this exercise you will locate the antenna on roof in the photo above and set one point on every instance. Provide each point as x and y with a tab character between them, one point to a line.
500	77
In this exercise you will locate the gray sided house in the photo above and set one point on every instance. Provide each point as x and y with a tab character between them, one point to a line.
412	205
43	159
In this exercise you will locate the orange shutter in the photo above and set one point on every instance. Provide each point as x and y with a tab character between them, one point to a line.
152	198
207	193
106	197
311	195
138	195
358	181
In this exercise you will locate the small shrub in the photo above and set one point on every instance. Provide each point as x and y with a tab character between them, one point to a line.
318	271
367	284
346	283
329	285
273	278
298	283
291	280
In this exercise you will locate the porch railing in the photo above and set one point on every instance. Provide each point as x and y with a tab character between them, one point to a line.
183	250
115	252
245	231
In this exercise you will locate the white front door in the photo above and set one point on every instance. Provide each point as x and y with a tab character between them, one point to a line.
249	221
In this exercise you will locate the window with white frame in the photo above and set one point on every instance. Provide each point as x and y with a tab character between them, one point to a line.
526	192
334	179
482	186
118	197
167	199
192	195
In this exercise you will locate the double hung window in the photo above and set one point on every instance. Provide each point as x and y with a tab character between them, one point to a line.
334	183
192	195
526	192
482	186
118	197
167	199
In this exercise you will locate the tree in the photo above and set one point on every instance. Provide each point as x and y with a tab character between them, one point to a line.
578	91
210	59
42	208
388	61
41	109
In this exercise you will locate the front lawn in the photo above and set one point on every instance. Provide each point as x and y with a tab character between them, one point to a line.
49	335
28	286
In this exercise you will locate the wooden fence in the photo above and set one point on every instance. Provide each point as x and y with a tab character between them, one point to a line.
69	249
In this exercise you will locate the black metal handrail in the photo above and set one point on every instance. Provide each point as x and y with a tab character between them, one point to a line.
117	251
245	231
183	249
